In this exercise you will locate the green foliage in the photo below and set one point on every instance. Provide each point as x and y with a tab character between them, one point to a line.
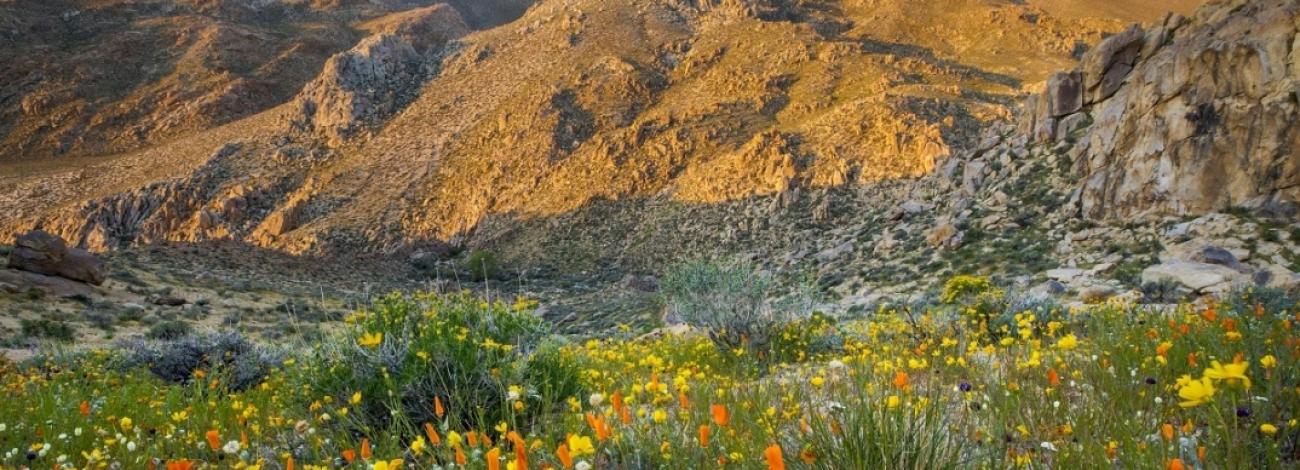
170	329
482	265
48	329
733	304
472	355
873	434
961	287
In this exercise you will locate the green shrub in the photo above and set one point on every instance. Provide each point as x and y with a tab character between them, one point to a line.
962	287
48	329
482	265
471	355
170	329
733	304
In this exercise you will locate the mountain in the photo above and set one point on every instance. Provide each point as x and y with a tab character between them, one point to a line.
426	134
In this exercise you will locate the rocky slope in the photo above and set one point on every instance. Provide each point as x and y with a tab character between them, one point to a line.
81	77
420	135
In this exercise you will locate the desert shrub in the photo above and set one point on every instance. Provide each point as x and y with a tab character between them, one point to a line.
1018	311
229	357
482	265
807	338
963	287
170	329
1250	299
469	354
1163	291
553	372
733	303
47	329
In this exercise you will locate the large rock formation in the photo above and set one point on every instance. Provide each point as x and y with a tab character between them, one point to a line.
381	74
42	253
1193	115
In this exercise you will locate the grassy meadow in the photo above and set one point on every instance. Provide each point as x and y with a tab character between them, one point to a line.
975	378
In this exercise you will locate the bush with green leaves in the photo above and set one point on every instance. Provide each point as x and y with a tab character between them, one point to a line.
734	304
482	265
474	357
962	288
48	329
169	329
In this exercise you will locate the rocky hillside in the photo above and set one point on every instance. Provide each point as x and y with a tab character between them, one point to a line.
425	135
90	77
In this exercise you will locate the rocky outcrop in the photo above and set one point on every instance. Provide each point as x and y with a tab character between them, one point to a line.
1190	116
360	87
39	252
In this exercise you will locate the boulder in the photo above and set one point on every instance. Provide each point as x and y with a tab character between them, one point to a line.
646	283
944	235
1097	294
1064	93
1210	254
1199	277
1065	274
39	252
169	301
1106	66
1049	288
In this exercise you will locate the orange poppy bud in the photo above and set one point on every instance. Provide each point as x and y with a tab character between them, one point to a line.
704	435
460	457
437	407
493	459
85	408
1167	431
562	453
214	439
1175	464
365	449
432	434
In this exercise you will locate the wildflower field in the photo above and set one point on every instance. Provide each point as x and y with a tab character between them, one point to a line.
976	379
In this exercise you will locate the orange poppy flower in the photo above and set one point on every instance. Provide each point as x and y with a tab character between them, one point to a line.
365	449
1052	378
720	415
900	380
773	456
704	435
349	456
493	459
